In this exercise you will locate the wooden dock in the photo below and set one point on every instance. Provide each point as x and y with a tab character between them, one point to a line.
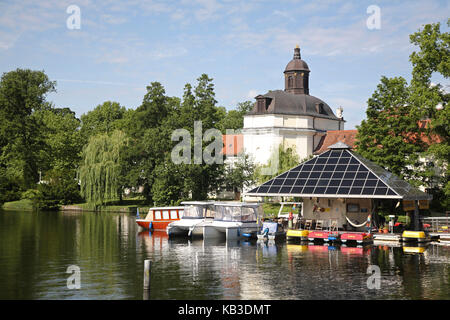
441	236
387	237
436	236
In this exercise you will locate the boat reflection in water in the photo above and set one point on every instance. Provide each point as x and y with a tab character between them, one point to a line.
415	248
261	269
356	250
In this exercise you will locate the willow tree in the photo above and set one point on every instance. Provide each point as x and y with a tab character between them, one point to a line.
100	168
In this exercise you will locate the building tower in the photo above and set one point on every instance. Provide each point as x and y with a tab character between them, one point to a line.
296	75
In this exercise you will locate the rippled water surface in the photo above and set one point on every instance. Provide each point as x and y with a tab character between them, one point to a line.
37	248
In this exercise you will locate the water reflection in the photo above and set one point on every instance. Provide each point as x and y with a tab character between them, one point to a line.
36	249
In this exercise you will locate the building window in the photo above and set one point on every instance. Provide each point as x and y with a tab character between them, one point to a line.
261	105
290	82
320	109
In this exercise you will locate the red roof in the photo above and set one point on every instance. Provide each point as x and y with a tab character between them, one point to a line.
233	144
334	136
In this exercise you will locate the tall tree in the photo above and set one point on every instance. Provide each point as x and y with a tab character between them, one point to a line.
408	122
234	119
22	93
150	138
193	180
105	118
62	137
431	101
390	136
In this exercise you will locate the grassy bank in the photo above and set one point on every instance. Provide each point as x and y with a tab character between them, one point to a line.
22	205
127	205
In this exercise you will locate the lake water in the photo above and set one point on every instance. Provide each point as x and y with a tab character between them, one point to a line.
36	250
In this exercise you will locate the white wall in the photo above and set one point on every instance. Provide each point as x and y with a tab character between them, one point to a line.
338	210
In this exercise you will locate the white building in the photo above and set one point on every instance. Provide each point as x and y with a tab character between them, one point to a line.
291	117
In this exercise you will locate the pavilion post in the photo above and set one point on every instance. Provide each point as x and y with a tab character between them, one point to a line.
416	215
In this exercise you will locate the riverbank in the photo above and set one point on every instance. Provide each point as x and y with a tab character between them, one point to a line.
128	206
22	205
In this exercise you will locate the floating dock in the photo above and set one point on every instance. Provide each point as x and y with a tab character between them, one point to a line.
387	237
363	237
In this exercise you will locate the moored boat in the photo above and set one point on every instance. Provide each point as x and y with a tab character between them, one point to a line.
292	234
419	236
159	217
358	237
196	214
233	219
271	231
318	235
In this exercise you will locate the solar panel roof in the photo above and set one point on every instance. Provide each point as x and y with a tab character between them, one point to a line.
339	173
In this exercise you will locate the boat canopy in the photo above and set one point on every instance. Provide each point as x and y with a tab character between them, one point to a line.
198	210
237	212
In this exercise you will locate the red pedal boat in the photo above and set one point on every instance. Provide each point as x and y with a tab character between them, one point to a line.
322	235
157	219
359	237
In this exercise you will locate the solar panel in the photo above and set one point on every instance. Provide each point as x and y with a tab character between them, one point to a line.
292	174
338	172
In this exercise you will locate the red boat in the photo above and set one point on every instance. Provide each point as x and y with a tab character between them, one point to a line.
323	235
157	219
359	237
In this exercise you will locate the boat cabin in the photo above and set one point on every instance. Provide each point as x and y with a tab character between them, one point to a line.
237	212
158	218
164	213
198	209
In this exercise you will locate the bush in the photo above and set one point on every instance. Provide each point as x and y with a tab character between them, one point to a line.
31	194
59	188
9	190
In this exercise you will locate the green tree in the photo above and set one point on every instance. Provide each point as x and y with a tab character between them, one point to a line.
22	93
62	138
149	133
240	174
403	123
234	119
105	118
186	181
282	159
390	136
433	57
100	168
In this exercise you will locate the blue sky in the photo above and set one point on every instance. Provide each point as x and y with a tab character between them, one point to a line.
244	46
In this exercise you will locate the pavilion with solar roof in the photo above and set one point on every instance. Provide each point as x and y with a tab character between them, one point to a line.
340	185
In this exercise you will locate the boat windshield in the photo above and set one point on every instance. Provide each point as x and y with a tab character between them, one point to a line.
235	213
193	212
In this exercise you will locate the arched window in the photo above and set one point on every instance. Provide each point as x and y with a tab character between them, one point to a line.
290	82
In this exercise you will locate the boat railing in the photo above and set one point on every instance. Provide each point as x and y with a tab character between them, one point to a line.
437	224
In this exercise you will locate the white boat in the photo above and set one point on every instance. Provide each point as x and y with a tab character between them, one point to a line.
271	231
232	220
196	214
